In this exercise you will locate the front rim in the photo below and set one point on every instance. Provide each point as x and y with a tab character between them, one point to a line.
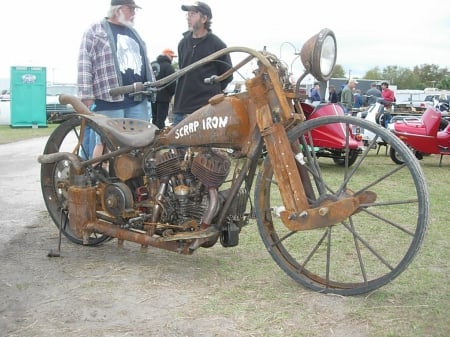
368	249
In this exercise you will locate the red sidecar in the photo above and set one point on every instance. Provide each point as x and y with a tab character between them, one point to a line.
330	140
425	135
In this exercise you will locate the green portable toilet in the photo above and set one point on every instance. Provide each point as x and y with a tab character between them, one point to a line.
28	96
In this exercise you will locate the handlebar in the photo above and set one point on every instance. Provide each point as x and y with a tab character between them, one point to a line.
127	89
151	86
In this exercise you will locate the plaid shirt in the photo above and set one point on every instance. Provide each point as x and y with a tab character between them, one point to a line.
98	70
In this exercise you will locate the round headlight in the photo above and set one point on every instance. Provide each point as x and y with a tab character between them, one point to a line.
319	54
328	56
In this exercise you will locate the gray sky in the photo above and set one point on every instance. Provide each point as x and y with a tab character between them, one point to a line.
48	32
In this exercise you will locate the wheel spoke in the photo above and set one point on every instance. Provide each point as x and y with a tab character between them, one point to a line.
368	246
402	228
358	252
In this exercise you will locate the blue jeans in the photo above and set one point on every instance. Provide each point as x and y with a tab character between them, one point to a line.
387	119
88	144
91	138
141	111
177	118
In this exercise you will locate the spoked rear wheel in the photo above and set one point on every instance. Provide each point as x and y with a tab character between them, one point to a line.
55	177
369	248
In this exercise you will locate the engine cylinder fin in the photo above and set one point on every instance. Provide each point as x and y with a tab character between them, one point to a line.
168	163
211	168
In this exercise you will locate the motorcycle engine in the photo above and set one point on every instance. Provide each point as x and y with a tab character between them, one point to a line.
186	179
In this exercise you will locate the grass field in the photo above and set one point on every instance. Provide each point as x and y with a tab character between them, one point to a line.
9	134
417	303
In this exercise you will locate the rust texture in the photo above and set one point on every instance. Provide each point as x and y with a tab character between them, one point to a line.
279	149
81	208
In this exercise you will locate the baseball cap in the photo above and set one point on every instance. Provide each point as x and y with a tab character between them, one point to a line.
130	3
169	52
198	6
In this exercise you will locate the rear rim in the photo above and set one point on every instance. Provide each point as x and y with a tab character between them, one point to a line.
55	177
368	249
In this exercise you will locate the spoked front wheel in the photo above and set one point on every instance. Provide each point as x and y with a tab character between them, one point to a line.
71	136
370	247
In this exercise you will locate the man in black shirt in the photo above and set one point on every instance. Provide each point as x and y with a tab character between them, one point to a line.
162	67
198	42
373	94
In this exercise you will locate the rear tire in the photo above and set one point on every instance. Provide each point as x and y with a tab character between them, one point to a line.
55	177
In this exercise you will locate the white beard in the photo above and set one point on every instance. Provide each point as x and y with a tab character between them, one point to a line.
123	21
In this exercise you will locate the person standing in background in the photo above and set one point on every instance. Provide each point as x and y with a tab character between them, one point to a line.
387	94
373	94
113	54
443	99
388	98
315	94
357	99
347	96
162	67
198	42
332	94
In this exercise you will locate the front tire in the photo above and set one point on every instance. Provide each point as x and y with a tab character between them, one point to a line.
372	246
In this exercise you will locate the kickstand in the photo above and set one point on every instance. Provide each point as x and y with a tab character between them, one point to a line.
57	253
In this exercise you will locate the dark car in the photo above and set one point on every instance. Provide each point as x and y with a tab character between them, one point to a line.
57	112
5	95
435	98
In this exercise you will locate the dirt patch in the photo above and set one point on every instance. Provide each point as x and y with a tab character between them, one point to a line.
112	291
101	291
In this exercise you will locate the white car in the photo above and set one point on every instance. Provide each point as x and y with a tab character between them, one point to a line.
55	110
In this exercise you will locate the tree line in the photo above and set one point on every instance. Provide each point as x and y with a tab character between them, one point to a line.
420	77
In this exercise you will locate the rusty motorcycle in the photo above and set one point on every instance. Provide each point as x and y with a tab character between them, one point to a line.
332	229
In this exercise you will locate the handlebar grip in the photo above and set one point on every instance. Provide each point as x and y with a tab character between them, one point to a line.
126	89
211	80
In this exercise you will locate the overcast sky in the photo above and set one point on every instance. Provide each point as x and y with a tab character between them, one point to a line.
48	32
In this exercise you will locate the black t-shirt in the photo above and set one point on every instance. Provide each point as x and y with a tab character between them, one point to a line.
130	59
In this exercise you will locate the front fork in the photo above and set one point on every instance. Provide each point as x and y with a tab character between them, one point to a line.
277	143
271	111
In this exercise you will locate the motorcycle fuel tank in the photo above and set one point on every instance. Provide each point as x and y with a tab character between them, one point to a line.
223	122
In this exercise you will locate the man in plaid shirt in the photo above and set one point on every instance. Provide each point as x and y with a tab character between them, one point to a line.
112	54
